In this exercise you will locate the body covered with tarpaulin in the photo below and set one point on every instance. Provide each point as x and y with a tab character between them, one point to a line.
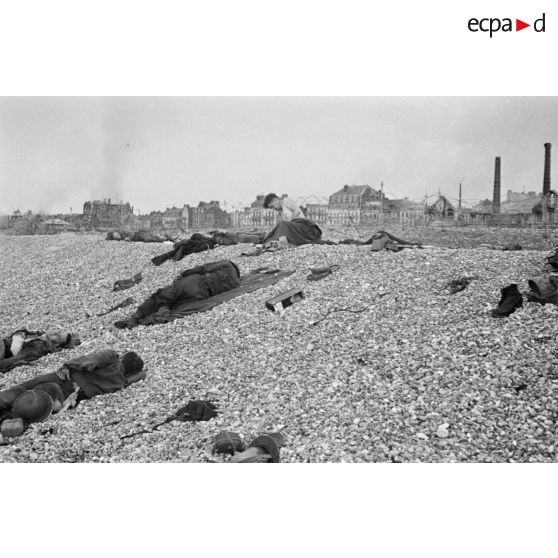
198	290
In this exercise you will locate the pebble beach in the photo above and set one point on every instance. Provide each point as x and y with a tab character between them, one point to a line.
378	363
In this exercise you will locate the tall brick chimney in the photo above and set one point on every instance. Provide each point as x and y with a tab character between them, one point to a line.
546	179
497	185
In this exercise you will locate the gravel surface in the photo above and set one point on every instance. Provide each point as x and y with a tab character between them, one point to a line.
420	375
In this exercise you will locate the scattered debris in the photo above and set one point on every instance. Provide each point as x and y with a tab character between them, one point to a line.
417	357
126	302
228	442
338	310
510	301
508	247
193	411
123	284
11	428
264	449
460	284
318	273
284	300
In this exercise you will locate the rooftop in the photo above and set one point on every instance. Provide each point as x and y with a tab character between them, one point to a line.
351	190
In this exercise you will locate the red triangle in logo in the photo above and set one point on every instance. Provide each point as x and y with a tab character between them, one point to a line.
519	25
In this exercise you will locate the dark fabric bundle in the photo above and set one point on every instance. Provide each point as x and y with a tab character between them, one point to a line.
195	410
460	284
457	285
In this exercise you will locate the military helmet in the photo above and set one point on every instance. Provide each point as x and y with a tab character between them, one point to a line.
32	406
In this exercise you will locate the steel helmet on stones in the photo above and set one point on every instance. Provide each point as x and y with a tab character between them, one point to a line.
32	406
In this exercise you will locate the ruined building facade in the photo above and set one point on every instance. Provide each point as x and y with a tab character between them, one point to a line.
103	214
359	205
208	215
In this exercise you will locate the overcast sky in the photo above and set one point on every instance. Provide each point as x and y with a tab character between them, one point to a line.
156	152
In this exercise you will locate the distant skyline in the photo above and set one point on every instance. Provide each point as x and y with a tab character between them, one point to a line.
157	152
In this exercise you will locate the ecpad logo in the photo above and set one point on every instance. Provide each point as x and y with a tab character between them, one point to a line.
493	25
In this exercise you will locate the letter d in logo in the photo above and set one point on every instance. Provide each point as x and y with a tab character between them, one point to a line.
539	24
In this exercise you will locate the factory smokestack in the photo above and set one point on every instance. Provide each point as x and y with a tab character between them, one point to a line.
497	185
546	179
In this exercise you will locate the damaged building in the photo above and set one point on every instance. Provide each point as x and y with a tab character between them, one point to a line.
173	219
441	209
208	215
105	215
355	204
